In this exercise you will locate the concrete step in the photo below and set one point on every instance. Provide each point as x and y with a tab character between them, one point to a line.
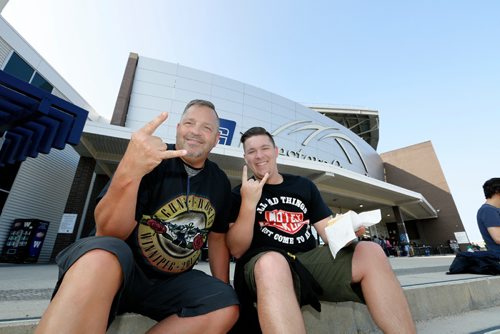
434	297
429	303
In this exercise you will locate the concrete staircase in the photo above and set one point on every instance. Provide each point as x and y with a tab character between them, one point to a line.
430	292
427	302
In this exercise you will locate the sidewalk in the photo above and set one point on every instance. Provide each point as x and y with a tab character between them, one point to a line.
25	290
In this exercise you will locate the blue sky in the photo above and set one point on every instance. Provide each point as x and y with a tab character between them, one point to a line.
431	68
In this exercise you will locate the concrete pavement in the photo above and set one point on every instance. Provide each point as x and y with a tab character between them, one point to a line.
440	303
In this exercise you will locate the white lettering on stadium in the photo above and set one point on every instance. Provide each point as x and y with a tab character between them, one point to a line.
300	155
316	130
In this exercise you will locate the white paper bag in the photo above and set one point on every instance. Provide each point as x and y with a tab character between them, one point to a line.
341	229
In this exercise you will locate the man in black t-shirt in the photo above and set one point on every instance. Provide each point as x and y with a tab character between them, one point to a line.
162	205
279	264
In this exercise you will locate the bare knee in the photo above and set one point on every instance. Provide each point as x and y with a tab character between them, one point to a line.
370	249
271	265
97	261
367	257
99	258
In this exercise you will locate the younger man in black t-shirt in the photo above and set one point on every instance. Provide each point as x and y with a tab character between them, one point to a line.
274	220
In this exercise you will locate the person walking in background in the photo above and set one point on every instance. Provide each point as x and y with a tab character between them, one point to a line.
279	263
488	216
388	246
162	204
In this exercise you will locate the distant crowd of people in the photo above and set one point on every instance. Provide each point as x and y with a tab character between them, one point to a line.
391	247
386	245
394	248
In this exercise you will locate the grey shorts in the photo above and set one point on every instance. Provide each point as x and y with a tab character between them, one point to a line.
333	275
188	294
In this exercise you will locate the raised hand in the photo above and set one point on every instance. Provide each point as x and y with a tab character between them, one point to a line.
251	189
145	151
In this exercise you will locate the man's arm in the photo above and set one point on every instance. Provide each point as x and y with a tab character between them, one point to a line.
218	256
320	228
495	234
240	233
115	213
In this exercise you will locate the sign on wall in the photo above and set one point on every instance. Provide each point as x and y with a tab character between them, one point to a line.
461	237
68	221
226	130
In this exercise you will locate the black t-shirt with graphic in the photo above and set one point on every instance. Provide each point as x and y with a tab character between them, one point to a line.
175	213
285	214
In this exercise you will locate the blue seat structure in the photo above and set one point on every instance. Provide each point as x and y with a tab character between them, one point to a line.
34	121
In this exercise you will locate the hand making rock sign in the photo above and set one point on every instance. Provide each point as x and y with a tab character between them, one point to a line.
251	189
145	151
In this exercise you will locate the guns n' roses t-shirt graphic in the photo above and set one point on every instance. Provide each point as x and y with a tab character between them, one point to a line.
172	238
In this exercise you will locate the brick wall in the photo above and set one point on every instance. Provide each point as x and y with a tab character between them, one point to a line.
76	201
89	225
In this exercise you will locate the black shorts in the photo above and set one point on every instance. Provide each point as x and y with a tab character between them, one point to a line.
187	294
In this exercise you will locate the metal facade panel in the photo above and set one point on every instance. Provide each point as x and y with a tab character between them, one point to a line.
58	93
40	191
5	50
307	135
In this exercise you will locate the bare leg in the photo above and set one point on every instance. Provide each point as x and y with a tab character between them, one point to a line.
383	294
277	305
84	299
219	321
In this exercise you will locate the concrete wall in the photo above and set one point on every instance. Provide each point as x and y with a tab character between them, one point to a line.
417	167
40	191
